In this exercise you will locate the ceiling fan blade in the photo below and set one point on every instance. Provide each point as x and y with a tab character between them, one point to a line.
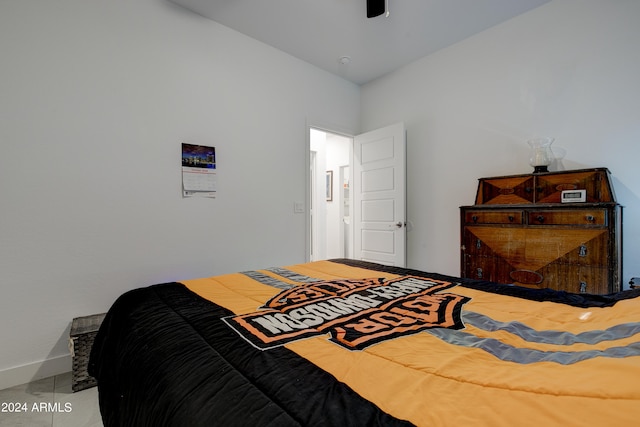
375	8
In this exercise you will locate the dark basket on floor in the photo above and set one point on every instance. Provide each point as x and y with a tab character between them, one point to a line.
83	332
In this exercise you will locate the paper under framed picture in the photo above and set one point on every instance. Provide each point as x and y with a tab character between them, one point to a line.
329	186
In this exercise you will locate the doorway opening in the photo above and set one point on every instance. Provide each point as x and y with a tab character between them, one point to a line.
331	234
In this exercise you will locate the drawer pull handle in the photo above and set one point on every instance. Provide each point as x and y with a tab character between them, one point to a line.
475	218
582	251
590	218
479	273
511	218
478	243
583	287
540	218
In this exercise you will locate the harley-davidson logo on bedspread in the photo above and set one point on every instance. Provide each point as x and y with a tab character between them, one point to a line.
356	313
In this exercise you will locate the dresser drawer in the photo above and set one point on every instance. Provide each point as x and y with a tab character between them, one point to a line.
576	279
492	269
569	217
549	187
493	217
506	190
529	248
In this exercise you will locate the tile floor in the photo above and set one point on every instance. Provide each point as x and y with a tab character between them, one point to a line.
49	402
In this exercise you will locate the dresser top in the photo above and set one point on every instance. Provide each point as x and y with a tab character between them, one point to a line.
543	174
546	187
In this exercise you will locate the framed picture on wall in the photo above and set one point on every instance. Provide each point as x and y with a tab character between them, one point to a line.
329	186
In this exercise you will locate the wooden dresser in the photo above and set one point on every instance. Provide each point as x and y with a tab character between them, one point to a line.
520	232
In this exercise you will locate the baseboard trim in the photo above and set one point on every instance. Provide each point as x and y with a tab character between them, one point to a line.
34	371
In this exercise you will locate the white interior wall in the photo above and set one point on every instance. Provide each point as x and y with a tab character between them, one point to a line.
568	69
96	98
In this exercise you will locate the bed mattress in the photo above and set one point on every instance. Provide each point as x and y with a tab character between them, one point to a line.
350	343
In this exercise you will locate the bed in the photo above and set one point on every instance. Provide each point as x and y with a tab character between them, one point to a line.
352	343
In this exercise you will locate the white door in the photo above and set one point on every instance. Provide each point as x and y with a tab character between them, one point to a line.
379	195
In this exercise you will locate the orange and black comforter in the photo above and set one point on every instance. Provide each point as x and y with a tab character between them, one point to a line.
349	343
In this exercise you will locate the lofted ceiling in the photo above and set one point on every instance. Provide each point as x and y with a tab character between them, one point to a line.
336	35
